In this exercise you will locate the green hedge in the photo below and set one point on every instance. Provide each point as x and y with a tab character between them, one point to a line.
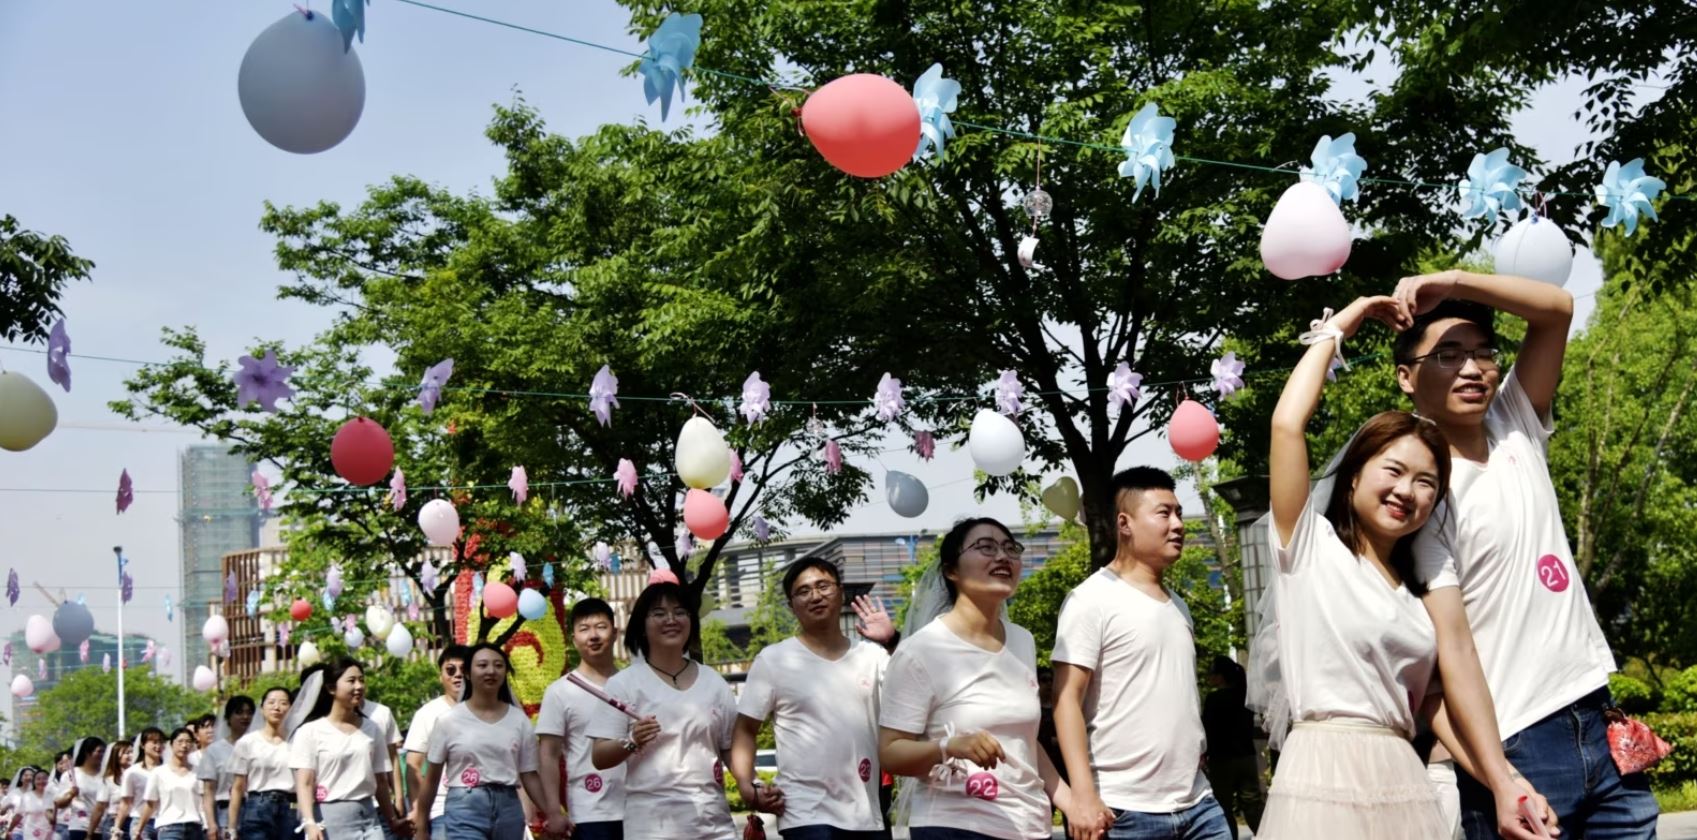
1633	695
1680	694
733	797
1680	730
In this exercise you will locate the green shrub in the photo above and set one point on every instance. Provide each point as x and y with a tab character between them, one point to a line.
1674	800
1633	695
734	798
1679	730
1680	691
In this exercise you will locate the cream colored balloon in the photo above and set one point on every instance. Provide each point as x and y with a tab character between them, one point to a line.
703	460
379	621
26	412
308	654
1062	498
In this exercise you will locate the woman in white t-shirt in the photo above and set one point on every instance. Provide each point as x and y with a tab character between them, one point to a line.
12	807
172	799
484	748
262	788
33	818
958	706
1353	648
147	752
88	802
341	759
112	769
674	757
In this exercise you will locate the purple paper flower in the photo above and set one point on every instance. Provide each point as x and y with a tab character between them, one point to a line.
756	398
126	491
602	556
736	467
58	356
262	489
519	567
12	590
1228	374
230	588
412	611
604	395
262	380
625	475
148	652
41	668
427	576
925	444
762	530
1008	393
6	654
333	581
430	390
398	490
520	485
283	635
1124	387
82	651
833	457
888	400
126	587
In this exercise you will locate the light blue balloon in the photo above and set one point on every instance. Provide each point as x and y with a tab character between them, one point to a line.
532	605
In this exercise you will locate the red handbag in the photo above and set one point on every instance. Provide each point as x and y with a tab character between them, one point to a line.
755	829
1632	744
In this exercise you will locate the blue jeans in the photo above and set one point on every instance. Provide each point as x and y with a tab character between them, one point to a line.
182	831
1205	820
932	832
487	812
350	819
1566	757
830	832
147	831
267	816
606	830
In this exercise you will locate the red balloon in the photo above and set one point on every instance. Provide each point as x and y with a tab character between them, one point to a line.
362	452
705	516
300	610
863	124
500	600
1193	432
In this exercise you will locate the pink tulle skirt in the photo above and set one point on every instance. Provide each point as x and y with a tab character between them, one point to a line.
1351	780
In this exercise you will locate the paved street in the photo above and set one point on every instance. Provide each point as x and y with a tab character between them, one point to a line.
1681	826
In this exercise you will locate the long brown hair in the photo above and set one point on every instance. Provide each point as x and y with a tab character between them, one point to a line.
1377	433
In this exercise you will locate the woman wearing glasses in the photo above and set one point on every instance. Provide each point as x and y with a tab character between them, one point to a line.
674	756
959	708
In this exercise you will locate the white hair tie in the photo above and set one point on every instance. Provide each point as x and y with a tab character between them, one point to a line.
1321	329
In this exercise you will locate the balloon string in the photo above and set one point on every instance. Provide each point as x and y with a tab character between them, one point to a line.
304	11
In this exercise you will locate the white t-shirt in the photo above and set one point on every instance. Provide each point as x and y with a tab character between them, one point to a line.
33	810
674	787
112	794
938	684
135	786
826	723
345	763
89	790
1350	646
473	752
194	758
1500	538
384	718
418	741
1141	708
591	795
265	763
56	787
214	767
176	796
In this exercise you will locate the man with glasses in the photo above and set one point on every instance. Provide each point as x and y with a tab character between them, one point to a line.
451	668
820	689
1504	597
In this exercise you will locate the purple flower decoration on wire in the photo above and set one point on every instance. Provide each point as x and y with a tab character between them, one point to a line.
604	395
126	491
427	576
262	380
925	444
762	529
602	556
58	356
126	587
12	590
516	561
82	651
520	485
430	390
1228	374
261	489
41	668
398	490
888	400
736	467
1125	388
625	475
6	654
833	457
333	581
283	635
148	651
230	588
756	398
1008	393
412	611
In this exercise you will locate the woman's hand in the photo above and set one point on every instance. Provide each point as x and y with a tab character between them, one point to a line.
314	831
644	731
980	748
1382	308
1510	824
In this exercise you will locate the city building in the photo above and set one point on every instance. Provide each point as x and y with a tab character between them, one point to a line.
64	661
217	513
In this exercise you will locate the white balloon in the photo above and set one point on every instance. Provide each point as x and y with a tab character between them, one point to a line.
1306	235
215	630
204	679
702	460
308	654
26	412
439	521
299	88
1535	247
907	494
996	444
22	686
379	621
1062	498
353	638
39	635
399	643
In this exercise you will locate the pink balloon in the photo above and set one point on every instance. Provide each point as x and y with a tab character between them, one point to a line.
39	635
1306	236
705	516
500	599
865	125
1193	432
362	451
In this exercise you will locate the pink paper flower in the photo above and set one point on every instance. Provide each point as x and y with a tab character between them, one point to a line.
520	485
625	475
925	444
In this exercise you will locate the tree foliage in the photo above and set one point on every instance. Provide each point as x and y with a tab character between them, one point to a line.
34	270
85	702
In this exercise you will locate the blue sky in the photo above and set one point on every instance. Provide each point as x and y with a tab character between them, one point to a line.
123	133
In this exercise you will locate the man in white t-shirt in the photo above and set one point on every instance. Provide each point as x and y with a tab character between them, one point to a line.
595	799
1510	610
451	667
1127	713
821	691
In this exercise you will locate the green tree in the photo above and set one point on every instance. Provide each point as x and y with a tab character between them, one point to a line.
716	644
34	270
85	702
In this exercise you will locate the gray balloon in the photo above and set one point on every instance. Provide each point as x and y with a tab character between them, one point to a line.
908	496
73	623
299	87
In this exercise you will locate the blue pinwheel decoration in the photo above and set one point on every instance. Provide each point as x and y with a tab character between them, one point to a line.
349	16
1627	191
671	51
1490	186
1148	144
936	98
1336	167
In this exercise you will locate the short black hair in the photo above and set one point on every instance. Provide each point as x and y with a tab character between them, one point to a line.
636	629
805	563
237	704
954	543
1139	479
1477	314
460	652
207	719
586	608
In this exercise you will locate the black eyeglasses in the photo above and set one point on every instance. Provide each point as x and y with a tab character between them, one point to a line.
988	547
1452	358
824	588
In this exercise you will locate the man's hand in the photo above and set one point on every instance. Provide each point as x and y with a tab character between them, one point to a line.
1382	308
559	825
1417	295
873	623
1087	817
